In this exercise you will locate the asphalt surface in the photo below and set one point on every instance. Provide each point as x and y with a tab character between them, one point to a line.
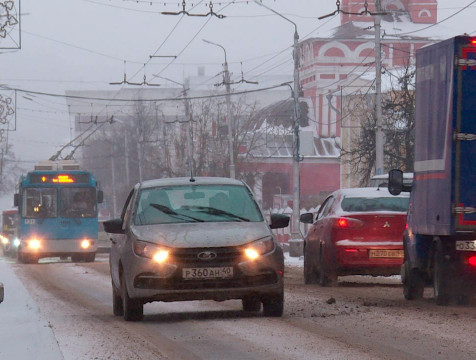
361	318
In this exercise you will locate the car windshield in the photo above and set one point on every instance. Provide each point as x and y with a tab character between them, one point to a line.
367	204
196	203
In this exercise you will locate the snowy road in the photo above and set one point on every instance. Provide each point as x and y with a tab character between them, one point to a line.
369	320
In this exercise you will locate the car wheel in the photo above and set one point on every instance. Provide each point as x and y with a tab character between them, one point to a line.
441	277
133	309
251	304
117	306
310	274
326	276
273	305
29	259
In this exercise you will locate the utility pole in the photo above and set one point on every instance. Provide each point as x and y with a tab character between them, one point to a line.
379	135
295	231
188	119
228	111
230	120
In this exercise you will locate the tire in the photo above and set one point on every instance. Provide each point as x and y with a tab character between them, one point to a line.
29	259
90	257
273	305
133	310
310	274
441	277
326	277
117	306
251	304
76	258
413	282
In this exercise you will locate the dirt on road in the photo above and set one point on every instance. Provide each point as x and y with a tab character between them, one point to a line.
361	318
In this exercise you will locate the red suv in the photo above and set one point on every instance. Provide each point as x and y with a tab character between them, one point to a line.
356	232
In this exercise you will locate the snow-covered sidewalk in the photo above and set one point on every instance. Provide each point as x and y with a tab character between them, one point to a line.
24	333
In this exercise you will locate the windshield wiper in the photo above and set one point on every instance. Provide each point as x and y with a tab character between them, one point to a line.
219	212
172	213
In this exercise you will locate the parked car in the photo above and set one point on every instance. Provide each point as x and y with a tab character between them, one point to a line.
201	238
382	180
356	231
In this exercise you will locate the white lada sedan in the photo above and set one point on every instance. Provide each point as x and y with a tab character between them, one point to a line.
203	238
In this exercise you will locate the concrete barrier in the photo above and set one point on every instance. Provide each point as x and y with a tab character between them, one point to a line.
296	247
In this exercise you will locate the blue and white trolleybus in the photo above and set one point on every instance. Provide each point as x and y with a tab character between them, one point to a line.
58	213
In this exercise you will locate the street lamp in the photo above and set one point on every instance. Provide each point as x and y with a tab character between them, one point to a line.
228	111
295	232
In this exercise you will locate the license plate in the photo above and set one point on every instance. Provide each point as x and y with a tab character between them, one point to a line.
208	272
466	245
383	253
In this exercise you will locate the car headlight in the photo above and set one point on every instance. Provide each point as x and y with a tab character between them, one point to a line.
259	247
16	242
151	251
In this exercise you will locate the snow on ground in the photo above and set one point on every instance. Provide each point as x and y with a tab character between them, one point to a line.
293	261
24	333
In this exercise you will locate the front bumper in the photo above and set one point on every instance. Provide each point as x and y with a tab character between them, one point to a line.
59	247
149	281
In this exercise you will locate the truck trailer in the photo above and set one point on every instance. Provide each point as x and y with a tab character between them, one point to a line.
440	239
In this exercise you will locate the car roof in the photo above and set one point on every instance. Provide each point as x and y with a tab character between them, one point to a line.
369	192
385	176
200	180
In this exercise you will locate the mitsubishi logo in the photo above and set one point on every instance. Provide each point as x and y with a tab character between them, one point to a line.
386	224
207	255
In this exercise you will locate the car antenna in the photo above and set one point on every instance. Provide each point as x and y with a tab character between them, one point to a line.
192	179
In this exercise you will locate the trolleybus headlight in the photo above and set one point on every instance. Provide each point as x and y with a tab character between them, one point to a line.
257	248
4	239
34	244
152	251
85	244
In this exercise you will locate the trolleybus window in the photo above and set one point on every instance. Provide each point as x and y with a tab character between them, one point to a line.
40	203
78	202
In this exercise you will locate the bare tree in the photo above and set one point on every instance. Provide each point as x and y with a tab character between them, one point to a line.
398	119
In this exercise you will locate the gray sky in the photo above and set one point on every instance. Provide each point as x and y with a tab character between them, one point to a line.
82	44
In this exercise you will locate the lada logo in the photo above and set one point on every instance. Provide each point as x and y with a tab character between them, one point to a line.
207	255
386	224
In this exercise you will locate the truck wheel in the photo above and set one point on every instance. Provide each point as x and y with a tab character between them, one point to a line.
273	305
441	277
133	309
414	286
326	276
310	274
412	279
251	304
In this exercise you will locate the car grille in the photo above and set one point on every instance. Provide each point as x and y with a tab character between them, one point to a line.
229	255
177	283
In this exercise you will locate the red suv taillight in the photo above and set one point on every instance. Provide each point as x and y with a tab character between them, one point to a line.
346	223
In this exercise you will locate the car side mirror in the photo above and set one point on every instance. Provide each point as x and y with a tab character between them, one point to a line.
279	221
395	181
16	199
100	196
306	218
113	226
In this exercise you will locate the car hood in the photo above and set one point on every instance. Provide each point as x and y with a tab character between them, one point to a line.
206	234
